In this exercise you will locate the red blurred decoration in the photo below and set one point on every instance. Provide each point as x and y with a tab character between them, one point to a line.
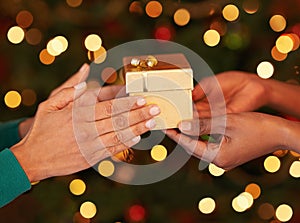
137	213
163	33
296	29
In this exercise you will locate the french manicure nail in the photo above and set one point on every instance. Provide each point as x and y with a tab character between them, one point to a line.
136	139
185	126
154	110
80	85
141	101
83	68
150	124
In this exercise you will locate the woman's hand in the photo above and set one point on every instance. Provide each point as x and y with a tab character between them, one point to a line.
244	136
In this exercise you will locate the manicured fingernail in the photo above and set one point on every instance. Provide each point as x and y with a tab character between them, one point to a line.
150	124
141	101
185	126
154	110
136	139
80	85
83	68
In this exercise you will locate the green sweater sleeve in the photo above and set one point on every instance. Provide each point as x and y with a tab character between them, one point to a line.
9	133
13	180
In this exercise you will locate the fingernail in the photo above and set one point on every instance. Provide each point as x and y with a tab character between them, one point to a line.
136	139
185	126
80	85
150	124
154	110
83	68
141	101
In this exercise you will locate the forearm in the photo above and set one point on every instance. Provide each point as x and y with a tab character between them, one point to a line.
283	97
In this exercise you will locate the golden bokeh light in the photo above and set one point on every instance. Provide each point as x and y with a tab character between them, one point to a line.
33	36
219	26
106	168
207	205
54	47
88	209
265	70
77	187
277	23
215	170
230	12
63	41
136	7
28	97
93	42
295	169
280	152
284	213
251	6
266	211
154	9
295	154
12	99
74	3
276	55
109	75
182	17
15	34
244	200
284	44
159	152
46	58
253	189
98	56
272	164
211	38
24	19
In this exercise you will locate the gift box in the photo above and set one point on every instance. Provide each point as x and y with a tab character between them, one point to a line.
165	80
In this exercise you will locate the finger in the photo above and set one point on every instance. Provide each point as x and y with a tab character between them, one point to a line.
127	119
198	93
107	109
62	98
111	92
122	136
77	78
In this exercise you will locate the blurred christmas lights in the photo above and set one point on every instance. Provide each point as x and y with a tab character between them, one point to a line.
88	209
272	164
207	205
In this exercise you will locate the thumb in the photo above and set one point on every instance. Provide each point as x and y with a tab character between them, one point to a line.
80	76
67	95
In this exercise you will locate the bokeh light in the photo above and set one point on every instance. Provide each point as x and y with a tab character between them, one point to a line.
251	6
12	99
106	168
15	34
77	187
295	169
277	23
293	153
163	33
276	55
284	213
46	58
182	17
233	41
272	164
253	189
265	70
136	7
93	42
54	47
215	170
211	38
137	213
98	56
159	152
296	41
230	12
78	218
266	211
284	44
242	202
88	209
74	3
24	19
109	75
207	205
154	9
28	97
64	42
219	26
33	36
280	152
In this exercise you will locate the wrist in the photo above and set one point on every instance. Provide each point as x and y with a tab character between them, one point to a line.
291	132
24	127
